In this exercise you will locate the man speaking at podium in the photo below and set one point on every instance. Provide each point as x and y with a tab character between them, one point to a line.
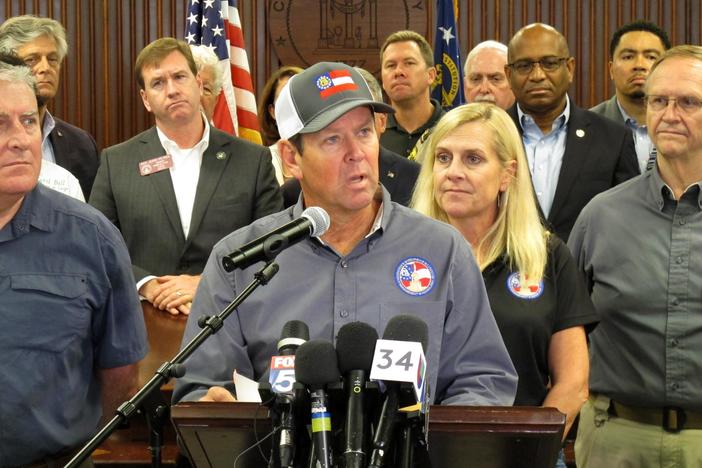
377	260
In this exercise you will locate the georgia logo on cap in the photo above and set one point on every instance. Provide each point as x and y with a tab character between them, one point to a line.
335	81
531	291
415	276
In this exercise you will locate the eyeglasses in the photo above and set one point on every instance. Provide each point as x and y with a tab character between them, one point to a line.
687	104
547	64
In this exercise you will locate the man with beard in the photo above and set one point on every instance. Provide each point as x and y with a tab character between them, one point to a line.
634	48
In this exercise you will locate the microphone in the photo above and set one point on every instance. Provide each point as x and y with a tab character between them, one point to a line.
316	367
293	335
355	344
313	222
399	328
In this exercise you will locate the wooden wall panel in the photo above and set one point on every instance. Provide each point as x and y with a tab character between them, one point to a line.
98	91
586	24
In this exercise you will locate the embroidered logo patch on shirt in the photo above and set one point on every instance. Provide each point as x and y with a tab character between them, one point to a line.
415	276
533	291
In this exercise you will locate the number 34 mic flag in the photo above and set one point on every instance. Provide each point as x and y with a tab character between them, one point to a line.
448	86
215	24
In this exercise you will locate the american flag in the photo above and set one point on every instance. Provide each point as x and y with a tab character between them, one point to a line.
216	24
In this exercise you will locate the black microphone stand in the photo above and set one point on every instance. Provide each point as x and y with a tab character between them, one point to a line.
149	398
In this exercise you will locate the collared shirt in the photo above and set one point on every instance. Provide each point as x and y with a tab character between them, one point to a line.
545	154
57	178
397	139
185	172
640	252
68	309
410	265
47	151
642	142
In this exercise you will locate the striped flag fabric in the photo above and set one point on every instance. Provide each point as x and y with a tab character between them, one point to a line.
216	25
334	82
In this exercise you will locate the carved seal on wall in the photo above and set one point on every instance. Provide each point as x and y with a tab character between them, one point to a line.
304	32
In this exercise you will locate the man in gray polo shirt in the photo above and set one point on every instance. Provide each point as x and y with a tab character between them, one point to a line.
377	260
639	246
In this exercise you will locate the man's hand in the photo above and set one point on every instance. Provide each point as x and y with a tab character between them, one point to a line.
171	293
218	394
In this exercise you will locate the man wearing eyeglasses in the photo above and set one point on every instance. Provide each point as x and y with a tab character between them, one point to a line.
573	154
639	247
633	49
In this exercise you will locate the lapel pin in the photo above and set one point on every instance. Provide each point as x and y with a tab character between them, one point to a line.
580	133
391	174
221	155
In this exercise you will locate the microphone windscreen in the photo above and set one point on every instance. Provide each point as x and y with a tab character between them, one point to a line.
295	329
319	219
355	345
315	363
294	334
407	328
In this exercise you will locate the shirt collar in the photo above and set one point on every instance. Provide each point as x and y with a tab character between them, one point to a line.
558	123
435	115
36	211
382	217
169	145
48	125
628	120
660	192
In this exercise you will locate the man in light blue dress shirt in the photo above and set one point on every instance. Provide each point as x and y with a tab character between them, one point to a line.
573	154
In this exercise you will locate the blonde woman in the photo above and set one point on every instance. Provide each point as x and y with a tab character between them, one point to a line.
475	177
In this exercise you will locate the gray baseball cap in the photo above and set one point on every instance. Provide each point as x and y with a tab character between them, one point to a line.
318	96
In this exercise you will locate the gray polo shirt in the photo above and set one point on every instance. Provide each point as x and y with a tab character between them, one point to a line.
409	265
641	253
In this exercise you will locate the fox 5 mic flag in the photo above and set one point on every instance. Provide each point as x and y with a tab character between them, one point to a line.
216	25
448	86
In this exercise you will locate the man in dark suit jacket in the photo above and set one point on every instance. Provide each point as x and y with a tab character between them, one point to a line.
573	154
177	188
75	150
634	48
41	44
397	174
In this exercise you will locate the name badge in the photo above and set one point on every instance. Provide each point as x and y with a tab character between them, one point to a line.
155	165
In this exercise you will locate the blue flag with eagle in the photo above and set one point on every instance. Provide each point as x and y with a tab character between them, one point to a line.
448	86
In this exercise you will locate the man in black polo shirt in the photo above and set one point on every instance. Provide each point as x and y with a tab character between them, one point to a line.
407	71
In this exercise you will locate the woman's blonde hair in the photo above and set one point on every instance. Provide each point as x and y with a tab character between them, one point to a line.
517	234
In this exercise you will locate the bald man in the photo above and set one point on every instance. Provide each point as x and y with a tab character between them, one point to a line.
573	154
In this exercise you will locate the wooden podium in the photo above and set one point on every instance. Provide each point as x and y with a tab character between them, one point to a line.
213	434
